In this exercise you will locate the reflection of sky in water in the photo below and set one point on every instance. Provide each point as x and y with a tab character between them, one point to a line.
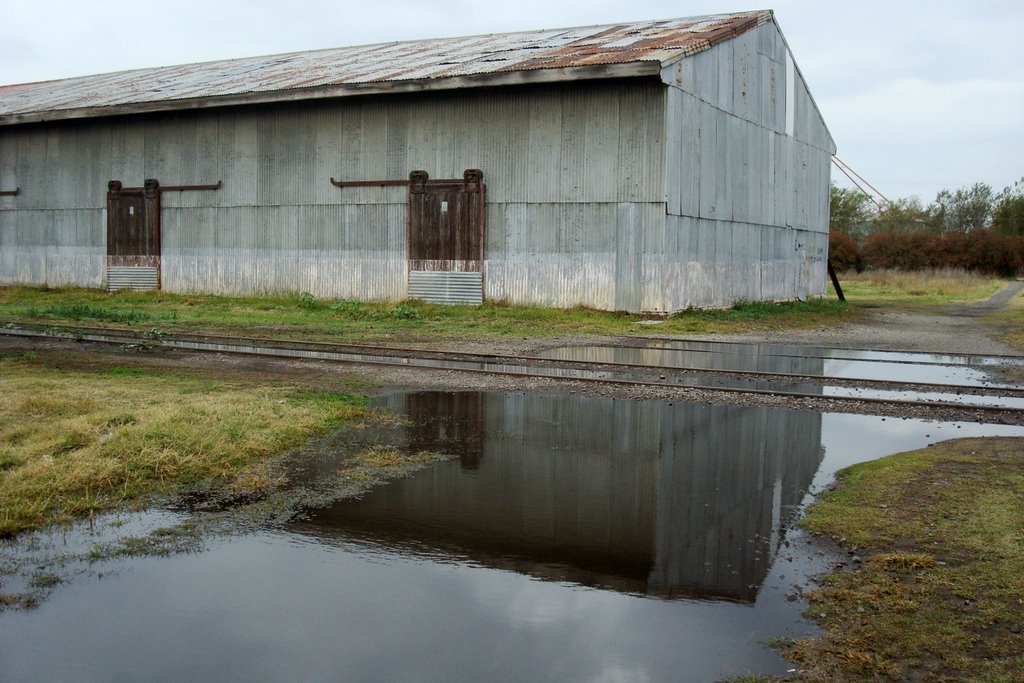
294	605
264	607
926	396
842	364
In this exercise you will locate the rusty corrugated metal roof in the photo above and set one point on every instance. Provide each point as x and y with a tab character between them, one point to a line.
559	54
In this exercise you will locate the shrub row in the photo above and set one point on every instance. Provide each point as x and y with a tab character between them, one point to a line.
979	251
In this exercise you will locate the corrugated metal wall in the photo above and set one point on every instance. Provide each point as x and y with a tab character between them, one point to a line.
571	171
747	201
49	236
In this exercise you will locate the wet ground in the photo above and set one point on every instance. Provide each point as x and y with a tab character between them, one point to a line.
569	536
576	530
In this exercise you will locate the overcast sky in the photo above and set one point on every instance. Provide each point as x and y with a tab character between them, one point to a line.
919	96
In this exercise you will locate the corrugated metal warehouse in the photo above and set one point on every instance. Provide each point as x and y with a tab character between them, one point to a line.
650	166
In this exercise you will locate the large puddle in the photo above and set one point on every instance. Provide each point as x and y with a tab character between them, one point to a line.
573	537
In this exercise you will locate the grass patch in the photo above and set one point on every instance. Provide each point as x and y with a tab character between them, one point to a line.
1012	319
942	286
79	311
940	592
74	442
306	317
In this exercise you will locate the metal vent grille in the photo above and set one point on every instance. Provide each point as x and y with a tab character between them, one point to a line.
134	278
444	287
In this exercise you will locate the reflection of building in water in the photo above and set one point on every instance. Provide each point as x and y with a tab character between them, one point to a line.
738	358
649	497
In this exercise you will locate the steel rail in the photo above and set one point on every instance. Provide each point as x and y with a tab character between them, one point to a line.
240	346
465	356
737	342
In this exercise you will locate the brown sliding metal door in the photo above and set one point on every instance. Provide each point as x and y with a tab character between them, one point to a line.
133	236
446	238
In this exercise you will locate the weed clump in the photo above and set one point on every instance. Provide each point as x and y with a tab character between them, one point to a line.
86	312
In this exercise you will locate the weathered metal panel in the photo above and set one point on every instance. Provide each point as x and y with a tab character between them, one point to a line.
446	287
561	52
628	268
133	278
603	169
710	162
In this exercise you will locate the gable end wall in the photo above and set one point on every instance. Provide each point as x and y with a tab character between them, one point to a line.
747	195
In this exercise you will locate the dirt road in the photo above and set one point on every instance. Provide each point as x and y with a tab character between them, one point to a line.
958	329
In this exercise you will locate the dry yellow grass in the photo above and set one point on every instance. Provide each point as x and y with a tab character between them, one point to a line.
941	286
75	442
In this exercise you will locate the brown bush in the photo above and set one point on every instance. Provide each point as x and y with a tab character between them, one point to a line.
979	251
843	252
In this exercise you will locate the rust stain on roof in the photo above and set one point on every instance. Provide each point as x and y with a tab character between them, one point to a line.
422	60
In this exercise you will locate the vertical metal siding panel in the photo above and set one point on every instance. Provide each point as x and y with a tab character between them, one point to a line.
779	115
735	181
31	168
326	129
397	164
10	248
725	56
755	173
351	149
726	167
766	91
544	149
8	165
703	80
572	147
422	139
641	143
709	161
655	107
470	141
505	134
239	138
126	152
652	284
724	267
205	165
691	156
266	161
374	139
674	145
301	148
605	173
446	132
95	153
744	77
771	191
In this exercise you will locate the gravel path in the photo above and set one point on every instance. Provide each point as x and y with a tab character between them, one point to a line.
959	330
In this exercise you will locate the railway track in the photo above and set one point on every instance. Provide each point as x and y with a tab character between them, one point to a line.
1002	400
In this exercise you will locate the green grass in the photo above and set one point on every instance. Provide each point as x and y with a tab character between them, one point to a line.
940	592
76	441
81	311
303	316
